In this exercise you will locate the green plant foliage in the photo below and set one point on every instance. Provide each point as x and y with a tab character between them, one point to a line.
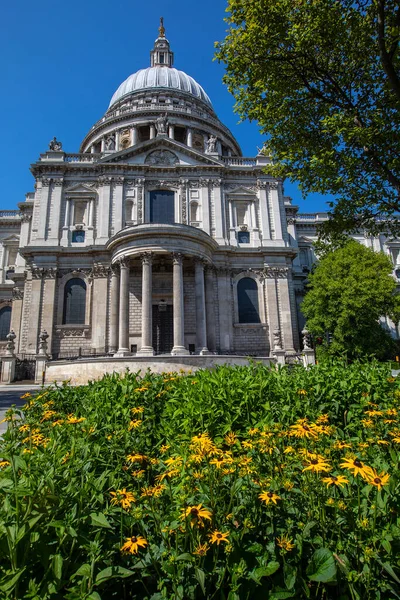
227	484
321	77
349	290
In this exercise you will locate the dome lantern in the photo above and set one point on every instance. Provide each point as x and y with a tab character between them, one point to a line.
161	55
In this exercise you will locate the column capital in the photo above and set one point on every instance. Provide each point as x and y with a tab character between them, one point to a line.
123	263
177	258
146	258
200	262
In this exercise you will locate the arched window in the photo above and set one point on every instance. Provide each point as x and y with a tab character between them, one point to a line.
247	293
194	212
5	322
74	302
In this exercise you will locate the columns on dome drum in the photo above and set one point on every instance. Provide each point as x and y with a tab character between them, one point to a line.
123	338
178	307
201	327
114	301
147	305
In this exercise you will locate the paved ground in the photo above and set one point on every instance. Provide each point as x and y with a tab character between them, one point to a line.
11	394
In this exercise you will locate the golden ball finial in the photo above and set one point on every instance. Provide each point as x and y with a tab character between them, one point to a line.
161	29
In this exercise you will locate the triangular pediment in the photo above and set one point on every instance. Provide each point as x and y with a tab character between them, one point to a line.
241	192
161	152
11	238
305	240
80	189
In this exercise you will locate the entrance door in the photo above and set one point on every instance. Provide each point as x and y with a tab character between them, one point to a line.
163	336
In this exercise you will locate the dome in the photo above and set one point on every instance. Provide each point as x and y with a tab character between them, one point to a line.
160	77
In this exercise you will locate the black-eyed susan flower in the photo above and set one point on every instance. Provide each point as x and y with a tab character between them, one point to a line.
285	542
316	464
201	549
133	544
230	438
152	491
72	420
378	481
4	464
302	429
123	498
268	497
136	458
216	537
134	424
337	480
340	445
196	514
356	466
137	410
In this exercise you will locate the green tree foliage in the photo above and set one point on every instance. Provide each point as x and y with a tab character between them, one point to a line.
322	78
348	291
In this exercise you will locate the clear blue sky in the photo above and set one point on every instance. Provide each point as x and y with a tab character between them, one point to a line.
61	63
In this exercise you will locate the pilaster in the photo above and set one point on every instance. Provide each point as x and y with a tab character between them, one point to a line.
225	310
99	316
103	227
56	194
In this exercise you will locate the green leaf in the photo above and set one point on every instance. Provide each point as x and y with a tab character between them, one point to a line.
289	575
111	572
8	582
201	578
84	570
184	556
389	569
57	565
100	520
322	566
94	596
266	571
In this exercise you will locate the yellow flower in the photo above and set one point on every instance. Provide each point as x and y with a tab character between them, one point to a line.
134	424
367	423
141	389
304	430
217	537
338	480
374	413
392	411
383	442
66	457
136	458
198	475
302	392
288	485
323	418
137	410
269	497
342	505
174	461
72	420
132	544
47	415
317	464
253	431
152	492
378	481
285	543
247	445
27	451
201	549
289	450
356	466
164	448
231	439
122	497
4	463
138	473
27	395
23	428
196	514
339	445
57	423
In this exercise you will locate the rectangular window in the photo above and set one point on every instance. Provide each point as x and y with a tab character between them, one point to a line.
78	237
244	237
161	58
162	207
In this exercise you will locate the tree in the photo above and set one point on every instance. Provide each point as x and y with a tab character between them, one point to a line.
349	290
322	78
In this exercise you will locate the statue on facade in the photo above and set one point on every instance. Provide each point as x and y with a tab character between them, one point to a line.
55	145
10	347
110	143
43	337
306	339
211	144
277	339
162	125
263	150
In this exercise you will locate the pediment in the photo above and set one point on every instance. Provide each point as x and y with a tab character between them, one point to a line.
80	189
11	238
305	240
161	152
241	193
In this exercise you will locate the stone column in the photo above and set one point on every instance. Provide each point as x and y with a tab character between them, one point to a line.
134	136
123	338
34	309
67	217
210	310
179	325
48	304
152	131
103	227
118	196
16	312
117	135
171	132
201	326
44	206
99	319
276	210
114	308
225	310
271	292
147	306
190	138
56	194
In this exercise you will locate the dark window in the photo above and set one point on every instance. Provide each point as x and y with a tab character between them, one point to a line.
247	292
244	237
74	302
78	236
144	132
5	322
162	207
161	58
180	134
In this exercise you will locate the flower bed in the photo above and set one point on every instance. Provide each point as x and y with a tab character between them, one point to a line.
234	483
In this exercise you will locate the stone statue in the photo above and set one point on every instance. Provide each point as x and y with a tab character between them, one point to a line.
263	150
306	339
211	144
110	143
10	347
43	342
162	125
55	145
277	339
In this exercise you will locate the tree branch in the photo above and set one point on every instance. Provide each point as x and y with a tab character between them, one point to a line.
387	64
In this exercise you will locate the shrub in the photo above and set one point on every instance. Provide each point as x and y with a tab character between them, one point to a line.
234	483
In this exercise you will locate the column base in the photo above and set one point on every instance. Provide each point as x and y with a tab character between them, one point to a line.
145	351
122	352
179	351
204	351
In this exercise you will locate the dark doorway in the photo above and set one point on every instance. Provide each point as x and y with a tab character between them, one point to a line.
163	336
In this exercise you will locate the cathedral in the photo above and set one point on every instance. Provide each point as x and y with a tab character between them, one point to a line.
158	237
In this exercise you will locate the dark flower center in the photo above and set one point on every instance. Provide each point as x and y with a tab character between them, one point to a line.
306	427
358	463
334	478
133	540
194	512
270	495
377	480
314	461
219	535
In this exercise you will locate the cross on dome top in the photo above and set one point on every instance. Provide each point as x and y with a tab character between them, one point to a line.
161	55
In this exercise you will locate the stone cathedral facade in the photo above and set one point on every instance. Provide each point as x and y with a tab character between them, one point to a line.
157	237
